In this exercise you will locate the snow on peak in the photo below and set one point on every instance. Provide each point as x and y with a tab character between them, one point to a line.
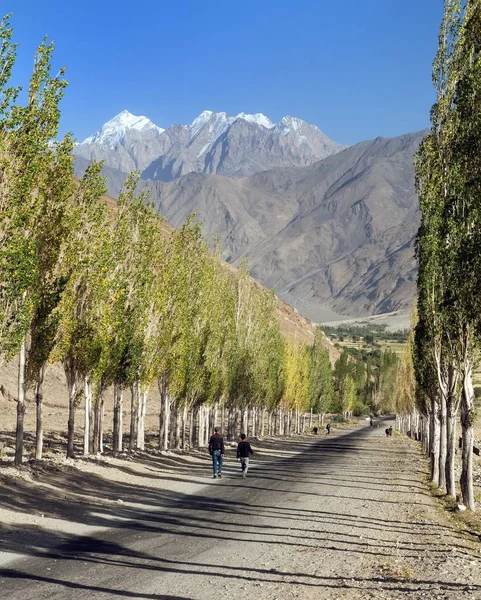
257	118
293	123
215	124
115	129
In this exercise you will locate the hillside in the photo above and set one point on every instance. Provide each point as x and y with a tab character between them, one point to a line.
293	326
333	238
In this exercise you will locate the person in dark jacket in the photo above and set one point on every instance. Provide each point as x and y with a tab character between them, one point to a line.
216	450
243	451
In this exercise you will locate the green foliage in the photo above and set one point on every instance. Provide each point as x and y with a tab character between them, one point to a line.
26	158
321	382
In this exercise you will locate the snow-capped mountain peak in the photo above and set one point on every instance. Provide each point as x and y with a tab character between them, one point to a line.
114	130
257	118
215	123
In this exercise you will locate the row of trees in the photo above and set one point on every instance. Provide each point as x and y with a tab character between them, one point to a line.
446	342
365	381
103	290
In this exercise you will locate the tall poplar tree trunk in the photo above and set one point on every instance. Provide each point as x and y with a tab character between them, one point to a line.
452	405
117	442
193	427
98	421
20	405
435	441
163	414
72	396
39	412
133	415
245	417
184	427
177	428
467	422
442	442
200	416
141	410
101	423
450	453
88	410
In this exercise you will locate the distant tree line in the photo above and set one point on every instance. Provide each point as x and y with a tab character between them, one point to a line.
368	333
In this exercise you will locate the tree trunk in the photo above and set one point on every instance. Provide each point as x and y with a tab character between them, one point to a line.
193	427
98	422
164	415
88	409
442	442
117	442
201	425
177	428
72	396
450	454
20	405
467	422
184	428
141	410
133	415
101	423
39	409
245	417
435	442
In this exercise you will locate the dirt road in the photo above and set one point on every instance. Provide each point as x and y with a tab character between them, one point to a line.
338	517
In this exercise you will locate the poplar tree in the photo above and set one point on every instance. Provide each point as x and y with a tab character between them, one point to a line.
75	342
55	193
28	130
321	382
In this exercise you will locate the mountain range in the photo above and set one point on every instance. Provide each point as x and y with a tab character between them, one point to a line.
333	236
214	143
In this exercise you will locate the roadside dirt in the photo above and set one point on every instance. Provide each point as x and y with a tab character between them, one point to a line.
342	517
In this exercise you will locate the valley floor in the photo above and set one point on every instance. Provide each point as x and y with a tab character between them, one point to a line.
336	517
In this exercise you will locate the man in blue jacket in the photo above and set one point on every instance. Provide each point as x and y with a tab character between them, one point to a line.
216	450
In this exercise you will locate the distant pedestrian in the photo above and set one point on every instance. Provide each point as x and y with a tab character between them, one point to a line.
315	430
328	428
388	433
390	430
243	451
370	421
216	450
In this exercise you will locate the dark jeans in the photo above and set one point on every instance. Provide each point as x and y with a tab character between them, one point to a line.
217	462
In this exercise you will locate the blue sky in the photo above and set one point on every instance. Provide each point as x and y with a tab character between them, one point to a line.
356	69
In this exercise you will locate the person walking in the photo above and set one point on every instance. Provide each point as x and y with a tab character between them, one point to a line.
216	450
328	428
243	451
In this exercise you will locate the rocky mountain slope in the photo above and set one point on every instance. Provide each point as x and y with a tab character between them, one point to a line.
335	236
215	143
